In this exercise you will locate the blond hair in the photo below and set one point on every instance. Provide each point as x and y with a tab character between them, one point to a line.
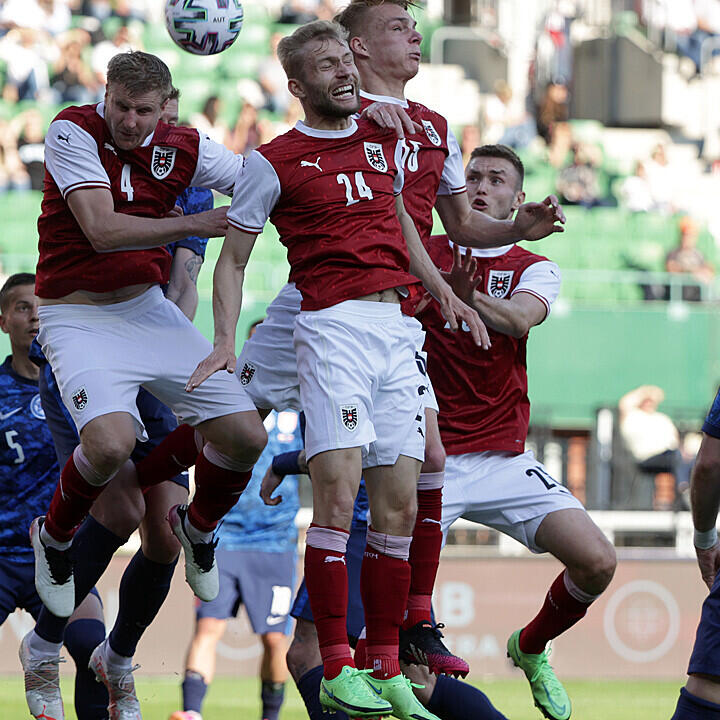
139	73
291	50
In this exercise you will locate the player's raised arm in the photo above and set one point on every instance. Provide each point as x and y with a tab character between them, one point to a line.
228	281
453	309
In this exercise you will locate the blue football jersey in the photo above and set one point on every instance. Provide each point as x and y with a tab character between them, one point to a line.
28	466
252	525
193	200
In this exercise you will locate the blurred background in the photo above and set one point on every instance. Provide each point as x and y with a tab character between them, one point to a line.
613	105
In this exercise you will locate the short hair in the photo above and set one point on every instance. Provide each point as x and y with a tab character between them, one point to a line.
254	325
291	49
174	94
139	73
353	17
11	283
504	152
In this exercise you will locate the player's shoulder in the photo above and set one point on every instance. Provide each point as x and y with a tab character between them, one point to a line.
368	129
84	116
286	146
426	112
175	136
525	257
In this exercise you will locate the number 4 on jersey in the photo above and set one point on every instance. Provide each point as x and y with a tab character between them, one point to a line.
362	189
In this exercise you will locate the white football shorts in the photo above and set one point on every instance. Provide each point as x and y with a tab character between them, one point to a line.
427	394
267	366
102	354
511	493
359	382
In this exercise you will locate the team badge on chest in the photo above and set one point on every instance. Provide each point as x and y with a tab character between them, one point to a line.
375	156
162	162
349	416
498	285
431	132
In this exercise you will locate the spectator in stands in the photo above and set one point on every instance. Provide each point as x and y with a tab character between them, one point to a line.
502	124
273	80
298	12
13	175
708	28
469	140
686	258
72	79
210	122
660	178
122	41
25	52
50	16
579	182
635	191
651	436
30	130
552	121
677	21
247	134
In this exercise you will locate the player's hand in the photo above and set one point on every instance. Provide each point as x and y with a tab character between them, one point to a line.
392	117
534	221
460	316
268	486
219	359
177	211
709	563
210	223
462	276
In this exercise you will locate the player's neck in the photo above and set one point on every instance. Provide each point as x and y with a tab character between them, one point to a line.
22	365
326	122
374	84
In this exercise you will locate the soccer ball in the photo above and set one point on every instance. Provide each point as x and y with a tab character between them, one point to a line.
203	27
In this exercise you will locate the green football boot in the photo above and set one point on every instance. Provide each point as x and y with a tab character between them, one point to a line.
350	693
398	692
548	692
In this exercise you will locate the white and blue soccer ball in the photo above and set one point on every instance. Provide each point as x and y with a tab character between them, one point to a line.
203	27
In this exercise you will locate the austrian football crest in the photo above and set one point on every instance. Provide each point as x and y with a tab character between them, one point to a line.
80	398
349	416
375	156
162	162
247	373
499	283
430	131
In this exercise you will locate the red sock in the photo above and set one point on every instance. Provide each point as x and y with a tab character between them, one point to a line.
71	502
361	654
177	452
424	556
384	584
216	491
327	585
559	612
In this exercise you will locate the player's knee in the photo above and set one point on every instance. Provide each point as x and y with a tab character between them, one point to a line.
600	567
296	660
434	457
108	457
158	544
706	468
210	629
274	642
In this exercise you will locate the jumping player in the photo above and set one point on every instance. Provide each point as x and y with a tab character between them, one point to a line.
350	245
484	411
700	698
113	174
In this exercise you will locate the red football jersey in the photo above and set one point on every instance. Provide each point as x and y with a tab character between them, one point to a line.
331	196
432	162
482	395
80	153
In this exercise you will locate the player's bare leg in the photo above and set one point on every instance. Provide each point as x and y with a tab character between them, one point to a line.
222	471
589	558
385	579
273	672
420	639
105	444
335	478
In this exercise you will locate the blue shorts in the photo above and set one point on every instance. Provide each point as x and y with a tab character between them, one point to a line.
353	560
159	421
705	658
712	421
17	589
262	581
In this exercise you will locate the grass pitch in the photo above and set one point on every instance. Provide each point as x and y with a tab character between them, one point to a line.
238	699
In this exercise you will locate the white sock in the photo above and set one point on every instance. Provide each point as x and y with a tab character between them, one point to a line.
195	535
42	648
49	541
119	662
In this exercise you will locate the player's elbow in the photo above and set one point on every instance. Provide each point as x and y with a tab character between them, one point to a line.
519	327
99	238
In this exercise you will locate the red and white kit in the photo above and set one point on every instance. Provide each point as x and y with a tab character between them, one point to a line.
331	196
101	354
484	408
432	165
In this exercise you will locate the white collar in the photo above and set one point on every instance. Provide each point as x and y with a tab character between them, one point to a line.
384	99
485	252
313	132
100	109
